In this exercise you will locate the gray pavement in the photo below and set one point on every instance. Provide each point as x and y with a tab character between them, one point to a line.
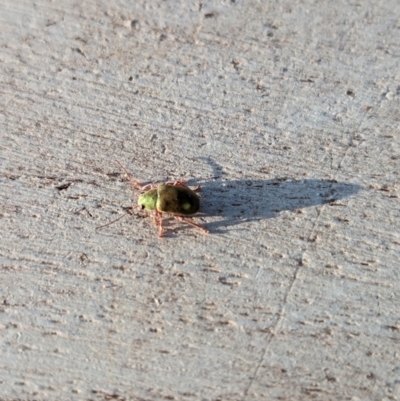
287	114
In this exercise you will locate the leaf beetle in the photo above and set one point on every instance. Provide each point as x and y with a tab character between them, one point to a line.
174	198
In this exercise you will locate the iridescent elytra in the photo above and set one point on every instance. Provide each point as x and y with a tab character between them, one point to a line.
174	198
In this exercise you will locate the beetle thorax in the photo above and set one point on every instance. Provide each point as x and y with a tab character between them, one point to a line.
148	199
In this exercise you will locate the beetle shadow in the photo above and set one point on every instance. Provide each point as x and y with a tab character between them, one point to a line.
250	200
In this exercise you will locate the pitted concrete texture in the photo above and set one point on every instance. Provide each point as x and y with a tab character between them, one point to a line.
287	114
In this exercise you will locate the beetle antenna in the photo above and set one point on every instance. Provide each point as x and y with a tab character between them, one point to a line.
134	184
119	218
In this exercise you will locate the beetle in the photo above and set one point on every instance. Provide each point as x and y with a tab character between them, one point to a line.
174	198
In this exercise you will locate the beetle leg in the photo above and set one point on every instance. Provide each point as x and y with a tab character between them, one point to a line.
161	229
158	222
182	183
180	218
156	219
179	183
147	187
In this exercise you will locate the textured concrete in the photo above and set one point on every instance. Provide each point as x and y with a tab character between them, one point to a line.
287	113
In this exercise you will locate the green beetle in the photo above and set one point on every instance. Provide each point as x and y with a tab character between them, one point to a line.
173	197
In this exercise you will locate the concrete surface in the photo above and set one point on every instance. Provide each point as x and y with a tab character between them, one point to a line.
287	113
